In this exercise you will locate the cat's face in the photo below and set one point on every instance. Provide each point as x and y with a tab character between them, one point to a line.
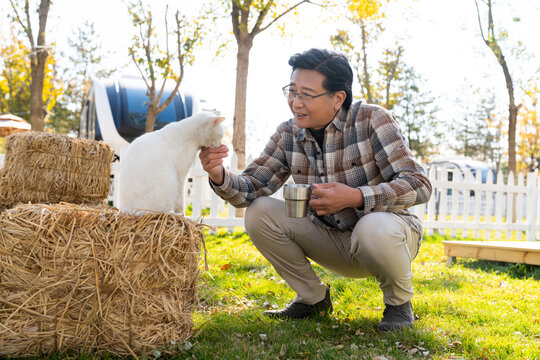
212	130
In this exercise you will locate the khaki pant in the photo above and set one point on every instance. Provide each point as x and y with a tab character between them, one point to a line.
384	247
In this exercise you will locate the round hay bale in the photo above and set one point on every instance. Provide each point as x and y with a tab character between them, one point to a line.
92	279
42	167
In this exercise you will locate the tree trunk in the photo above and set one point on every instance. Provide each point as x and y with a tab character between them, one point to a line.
36	91
151	116
38	60
367	82
512	121
239	122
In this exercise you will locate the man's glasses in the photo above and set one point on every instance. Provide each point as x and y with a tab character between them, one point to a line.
306	99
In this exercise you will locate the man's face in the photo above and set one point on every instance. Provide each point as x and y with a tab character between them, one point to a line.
316	112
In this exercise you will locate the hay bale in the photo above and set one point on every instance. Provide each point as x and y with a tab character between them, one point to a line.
92	279
43	167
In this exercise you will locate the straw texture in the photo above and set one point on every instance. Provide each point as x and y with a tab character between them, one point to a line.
42	167
92	279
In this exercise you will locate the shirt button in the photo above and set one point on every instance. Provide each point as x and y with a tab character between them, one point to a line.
321	174
338	221
318	153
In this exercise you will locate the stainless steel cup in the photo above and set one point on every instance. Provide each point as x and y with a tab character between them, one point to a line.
296	199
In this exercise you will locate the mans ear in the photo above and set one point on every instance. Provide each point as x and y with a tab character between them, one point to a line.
218	120
339	99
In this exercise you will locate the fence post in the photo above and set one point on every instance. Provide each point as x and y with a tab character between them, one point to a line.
532	196
198	176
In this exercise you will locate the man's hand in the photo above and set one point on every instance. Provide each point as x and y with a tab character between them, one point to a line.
212	162
329	198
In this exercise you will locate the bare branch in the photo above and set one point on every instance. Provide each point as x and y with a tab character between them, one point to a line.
480	21
160	93
260	18
140	70
29	24
27	31
244	14
181	58
148	53
282	14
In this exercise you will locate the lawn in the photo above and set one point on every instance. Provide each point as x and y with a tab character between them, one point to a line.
472	310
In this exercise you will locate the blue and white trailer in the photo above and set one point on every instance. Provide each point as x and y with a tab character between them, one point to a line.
115	110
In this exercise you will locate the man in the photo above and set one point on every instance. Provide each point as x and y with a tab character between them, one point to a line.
364	178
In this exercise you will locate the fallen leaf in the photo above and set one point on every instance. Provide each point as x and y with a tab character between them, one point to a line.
263	337
225	267
382	357
339	347
283	350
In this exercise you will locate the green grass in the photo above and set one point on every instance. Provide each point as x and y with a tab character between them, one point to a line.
472	310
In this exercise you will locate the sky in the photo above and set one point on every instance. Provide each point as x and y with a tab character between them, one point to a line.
441	41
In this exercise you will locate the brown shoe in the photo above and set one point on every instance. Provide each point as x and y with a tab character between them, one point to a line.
297	310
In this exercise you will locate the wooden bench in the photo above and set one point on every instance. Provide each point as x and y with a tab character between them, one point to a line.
524	252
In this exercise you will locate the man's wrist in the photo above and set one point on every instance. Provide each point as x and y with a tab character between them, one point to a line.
359	198
219	180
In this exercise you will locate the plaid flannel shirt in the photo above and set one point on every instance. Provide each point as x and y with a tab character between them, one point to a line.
363	148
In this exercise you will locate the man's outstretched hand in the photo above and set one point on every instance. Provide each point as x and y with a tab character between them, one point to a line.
212	162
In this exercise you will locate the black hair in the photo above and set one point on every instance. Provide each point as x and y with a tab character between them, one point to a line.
333	65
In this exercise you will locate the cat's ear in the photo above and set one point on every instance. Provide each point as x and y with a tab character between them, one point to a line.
218	120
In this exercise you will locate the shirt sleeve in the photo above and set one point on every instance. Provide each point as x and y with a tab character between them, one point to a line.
263	177
405	183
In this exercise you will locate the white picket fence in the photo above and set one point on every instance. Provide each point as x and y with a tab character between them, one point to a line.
465	206
494	209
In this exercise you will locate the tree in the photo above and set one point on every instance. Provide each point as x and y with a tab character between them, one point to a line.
367	16
415	111
39	52
15	80
85	62
250	18
390	69
529	132
492	42
380	84
391	83
155	61
478	133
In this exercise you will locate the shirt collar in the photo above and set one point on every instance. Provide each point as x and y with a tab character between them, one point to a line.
339	122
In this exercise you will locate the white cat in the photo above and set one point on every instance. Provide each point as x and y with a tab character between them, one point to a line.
154	166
